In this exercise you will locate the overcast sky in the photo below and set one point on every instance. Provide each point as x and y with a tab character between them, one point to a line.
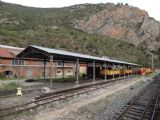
152	6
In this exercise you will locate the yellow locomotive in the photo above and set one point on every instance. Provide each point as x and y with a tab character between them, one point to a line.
143	71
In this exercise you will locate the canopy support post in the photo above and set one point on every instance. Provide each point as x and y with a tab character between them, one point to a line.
51	66
87	69
128	70
136	70
77	71
124	71
55	65
113	71
133	70
18	73
44	74
120	71
62	70
94	70
105	71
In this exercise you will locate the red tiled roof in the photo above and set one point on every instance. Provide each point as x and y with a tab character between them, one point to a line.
9	53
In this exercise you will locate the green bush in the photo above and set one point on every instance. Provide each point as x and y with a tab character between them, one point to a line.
10	86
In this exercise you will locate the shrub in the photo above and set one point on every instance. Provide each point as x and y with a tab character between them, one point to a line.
11	86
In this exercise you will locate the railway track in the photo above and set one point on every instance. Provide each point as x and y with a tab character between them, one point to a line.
144	106
7	93
56	96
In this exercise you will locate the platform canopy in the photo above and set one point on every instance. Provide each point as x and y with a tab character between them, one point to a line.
44	53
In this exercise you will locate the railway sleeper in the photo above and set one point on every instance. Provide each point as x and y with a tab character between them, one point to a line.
137	107
133	117
139	104
137	111
123	108
148	116
137	114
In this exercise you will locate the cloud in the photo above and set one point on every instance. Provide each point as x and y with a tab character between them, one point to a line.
152	7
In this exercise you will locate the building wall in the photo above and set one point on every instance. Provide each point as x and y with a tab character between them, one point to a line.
83	69
35	69
5	61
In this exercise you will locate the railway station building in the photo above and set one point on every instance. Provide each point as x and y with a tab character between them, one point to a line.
11	66
93	66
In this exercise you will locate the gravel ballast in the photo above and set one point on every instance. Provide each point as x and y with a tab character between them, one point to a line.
101	104
106	108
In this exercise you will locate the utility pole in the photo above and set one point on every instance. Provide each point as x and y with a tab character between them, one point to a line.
146	53
146	61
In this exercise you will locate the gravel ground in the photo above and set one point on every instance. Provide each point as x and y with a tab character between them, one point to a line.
82	107
106	108
32	90
117	101
102	108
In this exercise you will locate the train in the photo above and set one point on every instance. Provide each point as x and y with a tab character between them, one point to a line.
144	71
116	71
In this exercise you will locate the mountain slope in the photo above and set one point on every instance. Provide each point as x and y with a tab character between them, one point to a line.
124	22
53	27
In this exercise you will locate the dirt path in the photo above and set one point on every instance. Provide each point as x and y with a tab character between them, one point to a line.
58	114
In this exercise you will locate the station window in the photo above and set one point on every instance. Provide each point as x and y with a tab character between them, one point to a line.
14	62
17	62
21	62
60	63
69	71
58	71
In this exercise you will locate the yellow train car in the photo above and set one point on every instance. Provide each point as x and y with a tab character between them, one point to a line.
122	72
148	70
110	72
128	71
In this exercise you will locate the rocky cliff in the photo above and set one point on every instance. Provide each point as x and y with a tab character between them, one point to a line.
125	23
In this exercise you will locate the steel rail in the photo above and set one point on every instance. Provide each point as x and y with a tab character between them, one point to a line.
155	106
19	108
148	103
151	93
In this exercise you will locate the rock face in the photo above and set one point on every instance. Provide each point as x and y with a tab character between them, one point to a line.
123	22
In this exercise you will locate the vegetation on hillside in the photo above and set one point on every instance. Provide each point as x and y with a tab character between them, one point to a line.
52	27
